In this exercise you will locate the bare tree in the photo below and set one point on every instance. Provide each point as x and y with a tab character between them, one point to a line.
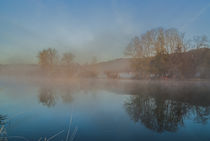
174	41
134	48
67	58
201	42
150	51
48	58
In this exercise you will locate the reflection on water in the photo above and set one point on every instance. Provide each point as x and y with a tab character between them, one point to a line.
47	97
67	95
102	107
162	108
159	107
163	115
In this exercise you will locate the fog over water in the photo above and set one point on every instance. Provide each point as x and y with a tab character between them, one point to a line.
105	109
104	70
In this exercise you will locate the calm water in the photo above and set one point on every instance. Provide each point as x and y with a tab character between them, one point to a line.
105	110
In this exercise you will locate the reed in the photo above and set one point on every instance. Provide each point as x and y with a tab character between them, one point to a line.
69	136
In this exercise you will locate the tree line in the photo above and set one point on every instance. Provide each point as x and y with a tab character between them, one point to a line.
49	60
157	53
52	64
167	53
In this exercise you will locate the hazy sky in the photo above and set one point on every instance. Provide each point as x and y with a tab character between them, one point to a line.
88	28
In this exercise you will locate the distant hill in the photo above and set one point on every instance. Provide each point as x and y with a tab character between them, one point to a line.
200	58
117	65
202	54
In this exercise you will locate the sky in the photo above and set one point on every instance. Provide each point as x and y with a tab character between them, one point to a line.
91	28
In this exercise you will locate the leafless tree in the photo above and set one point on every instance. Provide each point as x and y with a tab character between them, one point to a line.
48	58
67	58
201	42
150	51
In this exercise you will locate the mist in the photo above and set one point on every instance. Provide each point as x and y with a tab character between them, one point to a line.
101	29
108	70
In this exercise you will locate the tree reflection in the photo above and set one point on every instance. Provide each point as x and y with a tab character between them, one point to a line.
160	113
47	96
67	95
202	114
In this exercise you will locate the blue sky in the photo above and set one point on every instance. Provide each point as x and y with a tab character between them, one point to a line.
88	28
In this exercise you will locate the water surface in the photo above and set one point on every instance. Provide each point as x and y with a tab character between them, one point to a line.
105	110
